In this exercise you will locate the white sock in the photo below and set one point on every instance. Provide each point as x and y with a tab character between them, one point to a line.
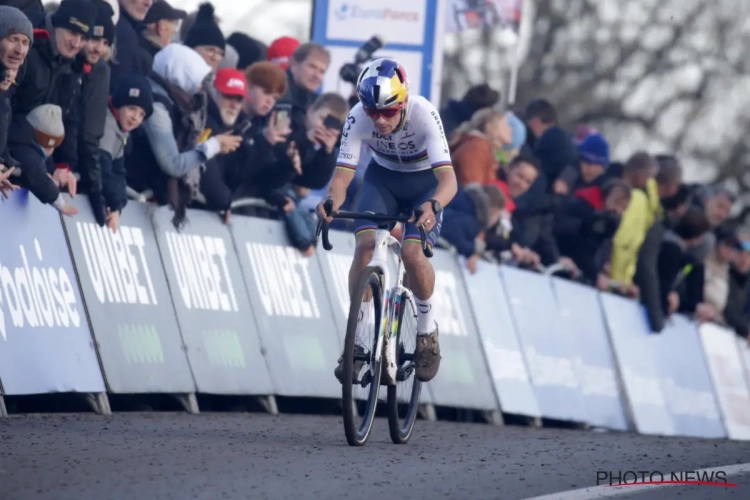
363	323
425	319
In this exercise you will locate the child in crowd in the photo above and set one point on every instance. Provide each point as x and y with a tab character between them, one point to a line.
32	140
130	104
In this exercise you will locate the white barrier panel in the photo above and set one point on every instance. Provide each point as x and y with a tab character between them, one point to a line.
727	372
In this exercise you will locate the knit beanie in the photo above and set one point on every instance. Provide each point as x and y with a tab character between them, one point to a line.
594	149
280	51
13	21
104	27
115	10
133	90
205	31
48	123
249	49
77	16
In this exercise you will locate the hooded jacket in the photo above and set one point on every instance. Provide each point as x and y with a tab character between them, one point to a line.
474	159
169	144
25	148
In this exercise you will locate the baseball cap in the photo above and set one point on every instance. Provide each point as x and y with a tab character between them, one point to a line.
281	50
161	10
231	81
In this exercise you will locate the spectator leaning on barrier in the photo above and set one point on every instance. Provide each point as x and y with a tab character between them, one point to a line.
716	202
475	209
644	206
170	147
735	311
266	83
161	24
205	37
130	104
92	64
17	35
475	145
131	57
49	77
458	112
718	278
224	108
33	139
681	275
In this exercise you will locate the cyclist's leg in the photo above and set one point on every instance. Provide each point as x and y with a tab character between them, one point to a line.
422	281
376	198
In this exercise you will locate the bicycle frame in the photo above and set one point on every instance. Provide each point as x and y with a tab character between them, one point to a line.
391	304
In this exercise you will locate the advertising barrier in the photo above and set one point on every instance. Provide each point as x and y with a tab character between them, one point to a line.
233	309
45	340
213	310
128	302
686	381
507	366
548	355
291	307
635	351
464	379
592	357
728	376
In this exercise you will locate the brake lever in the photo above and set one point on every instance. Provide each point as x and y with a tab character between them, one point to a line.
426	250
323	226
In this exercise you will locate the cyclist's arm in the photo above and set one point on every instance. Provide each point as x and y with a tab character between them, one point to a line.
440	157
346	164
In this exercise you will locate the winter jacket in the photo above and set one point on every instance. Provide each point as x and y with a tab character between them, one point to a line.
112	160
48	78
92	112
454	114
130	58
466	217
35	165
474	159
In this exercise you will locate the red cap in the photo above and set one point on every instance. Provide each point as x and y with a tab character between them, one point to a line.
231	81
280	51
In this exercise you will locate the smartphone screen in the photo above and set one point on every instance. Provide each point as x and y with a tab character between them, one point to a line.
333	123
283	114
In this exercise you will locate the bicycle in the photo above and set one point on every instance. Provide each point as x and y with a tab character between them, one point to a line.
389	349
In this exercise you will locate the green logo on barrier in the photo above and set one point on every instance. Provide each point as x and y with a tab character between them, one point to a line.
223	348
304	353
459	367
140	344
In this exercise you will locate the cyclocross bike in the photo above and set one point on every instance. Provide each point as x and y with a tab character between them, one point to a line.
392	345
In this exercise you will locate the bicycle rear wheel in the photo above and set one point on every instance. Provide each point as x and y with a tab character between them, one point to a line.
403	398
367	382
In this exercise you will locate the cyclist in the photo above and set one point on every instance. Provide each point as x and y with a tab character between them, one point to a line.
410	169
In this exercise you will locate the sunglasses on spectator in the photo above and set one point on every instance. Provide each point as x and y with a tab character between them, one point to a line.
385	113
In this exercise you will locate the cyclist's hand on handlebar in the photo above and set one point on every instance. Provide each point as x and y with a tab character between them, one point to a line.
322	212
427	219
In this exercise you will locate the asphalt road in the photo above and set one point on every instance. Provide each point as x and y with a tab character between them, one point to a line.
257	456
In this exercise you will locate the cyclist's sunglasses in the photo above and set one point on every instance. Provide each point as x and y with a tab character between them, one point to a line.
385	113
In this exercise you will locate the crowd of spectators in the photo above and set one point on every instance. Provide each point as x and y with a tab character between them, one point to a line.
534	194
121	99
133	98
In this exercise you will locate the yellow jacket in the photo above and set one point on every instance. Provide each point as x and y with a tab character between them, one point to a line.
644	209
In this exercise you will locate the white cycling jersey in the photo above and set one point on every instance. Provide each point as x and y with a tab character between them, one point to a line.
417	144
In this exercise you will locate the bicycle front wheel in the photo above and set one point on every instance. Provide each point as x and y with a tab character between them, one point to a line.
361	378
403	398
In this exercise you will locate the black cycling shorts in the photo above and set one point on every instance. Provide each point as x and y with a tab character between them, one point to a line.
388	192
